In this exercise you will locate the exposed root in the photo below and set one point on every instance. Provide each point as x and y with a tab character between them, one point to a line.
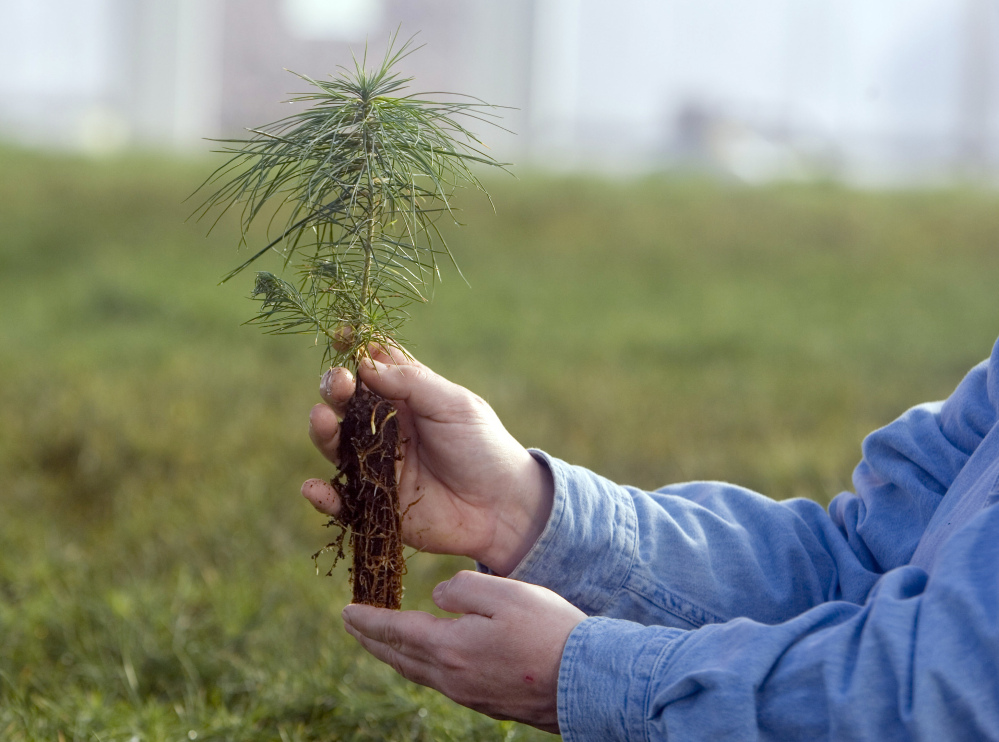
369	493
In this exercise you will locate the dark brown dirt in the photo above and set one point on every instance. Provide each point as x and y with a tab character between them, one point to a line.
369	443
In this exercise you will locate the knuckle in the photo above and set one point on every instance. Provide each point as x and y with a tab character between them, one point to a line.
414	672
478	404
419	374
459	582
394	638
400	667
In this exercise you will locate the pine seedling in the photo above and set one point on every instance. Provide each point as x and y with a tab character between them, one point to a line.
358	182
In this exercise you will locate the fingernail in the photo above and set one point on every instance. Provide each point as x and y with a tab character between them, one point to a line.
326	383
439	590
345	614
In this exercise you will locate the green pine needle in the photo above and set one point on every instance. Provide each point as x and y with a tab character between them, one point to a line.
357	181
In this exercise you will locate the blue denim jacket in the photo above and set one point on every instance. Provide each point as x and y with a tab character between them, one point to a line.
719	614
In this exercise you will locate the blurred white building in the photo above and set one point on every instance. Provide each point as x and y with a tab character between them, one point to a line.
100	74
757	89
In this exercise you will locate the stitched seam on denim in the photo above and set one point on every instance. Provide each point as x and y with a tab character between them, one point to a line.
673	603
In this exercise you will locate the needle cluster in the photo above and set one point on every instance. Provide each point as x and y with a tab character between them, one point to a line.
357	182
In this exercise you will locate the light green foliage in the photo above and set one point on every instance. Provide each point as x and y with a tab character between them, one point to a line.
155	571
361	177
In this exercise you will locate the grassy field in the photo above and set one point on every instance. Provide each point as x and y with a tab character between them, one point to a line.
155	580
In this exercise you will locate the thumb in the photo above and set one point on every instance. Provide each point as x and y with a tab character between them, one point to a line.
424	391
474	592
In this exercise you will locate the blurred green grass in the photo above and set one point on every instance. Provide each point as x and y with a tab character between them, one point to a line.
155	580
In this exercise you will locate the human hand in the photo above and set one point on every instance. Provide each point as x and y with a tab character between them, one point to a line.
500	658
466	486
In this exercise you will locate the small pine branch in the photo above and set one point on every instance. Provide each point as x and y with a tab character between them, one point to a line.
283	309
357	181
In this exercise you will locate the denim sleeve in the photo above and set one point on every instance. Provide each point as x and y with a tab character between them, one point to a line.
707	552
690	554
909	465
916	661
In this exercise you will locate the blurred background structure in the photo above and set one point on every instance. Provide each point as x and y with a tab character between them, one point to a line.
892	91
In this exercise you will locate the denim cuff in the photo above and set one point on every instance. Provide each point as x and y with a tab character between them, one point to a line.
589	545
605	675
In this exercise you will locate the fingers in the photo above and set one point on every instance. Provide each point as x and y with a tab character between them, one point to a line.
336	387
322	496
392	354
425	392
389	371
474	592
405	641
401	630
505	666
324	430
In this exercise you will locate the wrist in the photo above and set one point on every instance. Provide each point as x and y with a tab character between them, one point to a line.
522	516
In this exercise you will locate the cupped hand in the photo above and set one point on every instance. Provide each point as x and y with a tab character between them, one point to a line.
500	658
466	486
